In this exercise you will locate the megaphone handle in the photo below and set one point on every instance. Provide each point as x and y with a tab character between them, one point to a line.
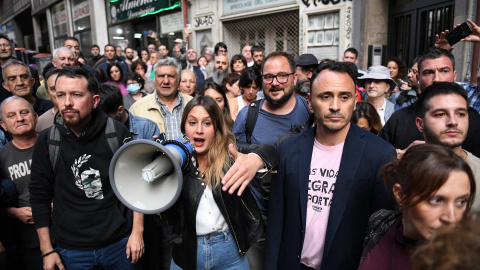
184	148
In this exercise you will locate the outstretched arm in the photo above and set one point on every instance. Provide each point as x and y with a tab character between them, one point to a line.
246	166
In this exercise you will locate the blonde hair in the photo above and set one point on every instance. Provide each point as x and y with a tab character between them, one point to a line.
218	157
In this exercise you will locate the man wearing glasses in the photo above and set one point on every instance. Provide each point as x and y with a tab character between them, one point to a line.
6	52
306	64
277	114
410	89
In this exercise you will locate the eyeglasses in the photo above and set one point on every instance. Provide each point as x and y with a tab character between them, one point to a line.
307	70
414	71
222	51
281	78
5	46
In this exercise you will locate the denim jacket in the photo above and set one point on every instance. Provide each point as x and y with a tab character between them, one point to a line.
142	128
3	139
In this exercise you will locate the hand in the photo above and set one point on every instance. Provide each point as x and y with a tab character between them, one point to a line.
241	172
187	33
135	246
24	214
475	36
152	34
52	261
401	152
405	86
442	42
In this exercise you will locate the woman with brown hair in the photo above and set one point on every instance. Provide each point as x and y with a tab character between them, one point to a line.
433	188
366	117
216	228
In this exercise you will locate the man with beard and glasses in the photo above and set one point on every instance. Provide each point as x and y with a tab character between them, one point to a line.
221	69
327	184
407	96
443	119
87	216
305	65
277	114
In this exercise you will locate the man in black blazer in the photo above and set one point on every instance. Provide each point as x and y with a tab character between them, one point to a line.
328	182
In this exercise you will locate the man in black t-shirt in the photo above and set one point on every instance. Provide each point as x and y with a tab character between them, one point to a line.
19	119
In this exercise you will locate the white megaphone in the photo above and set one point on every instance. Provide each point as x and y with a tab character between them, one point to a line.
146	176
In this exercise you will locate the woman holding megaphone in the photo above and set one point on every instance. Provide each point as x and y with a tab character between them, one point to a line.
212	227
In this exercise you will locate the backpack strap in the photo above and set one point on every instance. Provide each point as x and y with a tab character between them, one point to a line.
53	141
111	135
252	115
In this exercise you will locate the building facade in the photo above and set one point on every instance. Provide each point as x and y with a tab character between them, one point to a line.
378	29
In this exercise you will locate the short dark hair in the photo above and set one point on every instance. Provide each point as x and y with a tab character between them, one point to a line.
231	78
110	66
95	46
238	57
48	74
250	75
340	67
436	89
110	98
139	62
128	48
135	77
109	45
218	45
434	53
72	38
78	72
291	60
8	39
352	50
256	48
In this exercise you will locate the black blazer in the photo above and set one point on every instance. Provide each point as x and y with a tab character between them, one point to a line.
359	192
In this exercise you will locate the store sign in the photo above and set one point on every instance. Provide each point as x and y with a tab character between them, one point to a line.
171	23
123	10
81	10
231	6
60	17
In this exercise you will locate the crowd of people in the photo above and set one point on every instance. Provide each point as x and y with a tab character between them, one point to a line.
298	163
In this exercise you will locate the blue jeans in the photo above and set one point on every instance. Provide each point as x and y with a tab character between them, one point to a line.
217	251
112	257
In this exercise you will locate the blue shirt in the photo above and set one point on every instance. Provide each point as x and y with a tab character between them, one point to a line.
473	93
269	127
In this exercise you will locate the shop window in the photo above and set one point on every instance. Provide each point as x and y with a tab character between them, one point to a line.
59	21
323	31
82	25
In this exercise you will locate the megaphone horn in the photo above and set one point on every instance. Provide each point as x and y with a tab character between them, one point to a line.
146	176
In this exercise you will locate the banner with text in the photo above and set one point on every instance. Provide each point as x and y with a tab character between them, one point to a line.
123	10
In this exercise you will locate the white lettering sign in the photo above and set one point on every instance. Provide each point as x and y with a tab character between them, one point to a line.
171	22
59	17
230	6
81	10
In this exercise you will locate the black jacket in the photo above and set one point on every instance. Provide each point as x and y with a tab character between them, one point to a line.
240	212
401	130
86	214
